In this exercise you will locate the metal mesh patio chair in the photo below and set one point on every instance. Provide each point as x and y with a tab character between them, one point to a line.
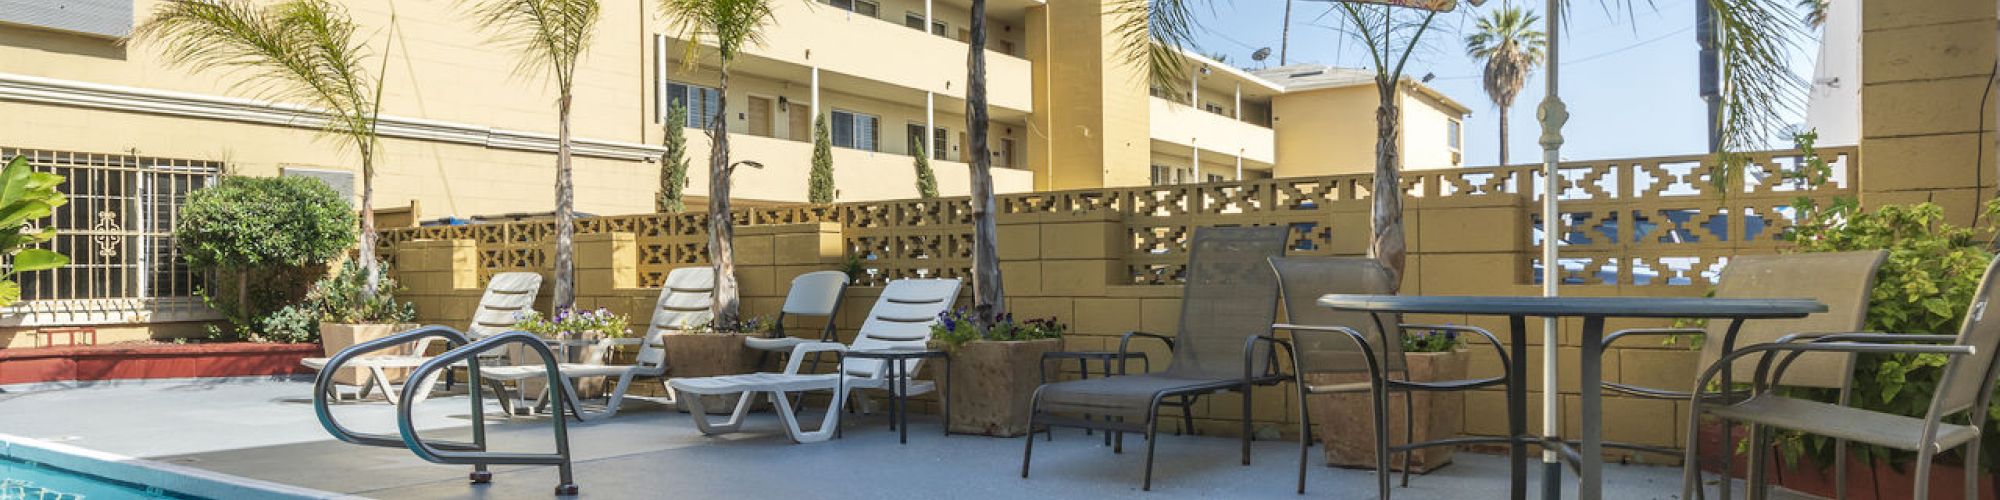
1963	391
1227	308
1329	341
1841	280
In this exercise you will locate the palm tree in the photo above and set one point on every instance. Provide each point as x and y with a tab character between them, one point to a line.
731	25
1815	12
551	35
1512	47
1760	92
298	50
989	294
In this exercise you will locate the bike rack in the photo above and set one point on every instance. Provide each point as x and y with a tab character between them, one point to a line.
448	452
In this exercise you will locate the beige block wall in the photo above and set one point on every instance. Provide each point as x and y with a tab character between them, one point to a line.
1924	66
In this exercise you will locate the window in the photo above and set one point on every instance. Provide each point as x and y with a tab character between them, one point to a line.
1453	135
914	133
855	130
942	138
940	29
913	21
701	102
1162	175
862	7
1213	108
118	231
1214	178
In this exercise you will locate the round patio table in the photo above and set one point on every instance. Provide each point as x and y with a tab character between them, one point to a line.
1593	310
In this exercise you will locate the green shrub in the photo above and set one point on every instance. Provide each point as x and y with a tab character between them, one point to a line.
266	233
26	196
961	325
820	184
926	179
674	164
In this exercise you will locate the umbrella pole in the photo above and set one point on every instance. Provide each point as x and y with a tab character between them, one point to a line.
1552	115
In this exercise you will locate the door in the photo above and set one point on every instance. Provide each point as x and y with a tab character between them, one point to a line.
760	116
964	148
1006	153
801	118
915	134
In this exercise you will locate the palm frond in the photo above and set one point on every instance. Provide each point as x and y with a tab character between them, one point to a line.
1512	45
550	35
1153	33
1759	89
731	25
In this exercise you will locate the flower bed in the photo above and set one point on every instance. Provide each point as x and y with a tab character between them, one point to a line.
148	361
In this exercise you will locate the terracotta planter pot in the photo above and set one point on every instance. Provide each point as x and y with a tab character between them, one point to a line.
993	383
334	337
1346	422
709	354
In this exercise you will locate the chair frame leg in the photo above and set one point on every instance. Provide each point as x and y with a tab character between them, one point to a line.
1380	397
1245	419
1305	434
1034	414
1757	487
1409	432
1972	468
1152	433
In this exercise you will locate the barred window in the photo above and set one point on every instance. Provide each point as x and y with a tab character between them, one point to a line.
117	230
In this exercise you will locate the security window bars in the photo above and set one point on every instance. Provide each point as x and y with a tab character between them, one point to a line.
117	231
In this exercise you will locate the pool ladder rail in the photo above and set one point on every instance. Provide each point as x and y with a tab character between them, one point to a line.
461	349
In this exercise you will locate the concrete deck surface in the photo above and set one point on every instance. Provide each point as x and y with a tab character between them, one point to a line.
265	429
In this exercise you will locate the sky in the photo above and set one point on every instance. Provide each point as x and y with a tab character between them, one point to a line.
1629	78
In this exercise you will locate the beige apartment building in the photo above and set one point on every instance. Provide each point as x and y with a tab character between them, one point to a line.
465	134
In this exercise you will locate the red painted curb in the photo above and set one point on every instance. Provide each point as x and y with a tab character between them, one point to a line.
72	364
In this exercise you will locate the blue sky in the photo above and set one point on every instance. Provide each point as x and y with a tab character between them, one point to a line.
1629	77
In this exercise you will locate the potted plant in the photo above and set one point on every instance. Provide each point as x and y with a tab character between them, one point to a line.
578	333
994	371
337	312
712	349
1430	356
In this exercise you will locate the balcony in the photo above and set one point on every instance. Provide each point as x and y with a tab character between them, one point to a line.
1180	124
813	34
858	175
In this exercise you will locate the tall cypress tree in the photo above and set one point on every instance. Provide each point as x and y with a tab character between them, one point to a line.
821	182
674	164
926	180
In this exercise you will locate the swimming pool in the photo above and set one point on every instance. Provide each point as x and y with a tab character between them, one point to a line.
41	470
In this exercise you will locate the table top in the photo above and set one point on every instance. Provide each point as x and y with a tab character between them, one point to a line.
1623	307
895	353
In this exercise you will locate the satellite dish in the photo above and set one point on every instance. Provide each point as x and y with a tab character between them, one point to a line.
1261	54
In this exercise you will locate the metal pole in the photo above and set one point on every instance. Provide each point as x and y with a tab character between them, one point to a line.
1552	115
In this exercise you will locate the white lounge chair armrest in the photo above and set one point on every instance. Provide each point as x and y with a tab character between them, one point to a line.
799	354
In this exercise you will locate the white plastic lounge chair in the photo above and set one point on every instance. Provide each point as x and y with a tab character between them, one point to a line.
901	318
507	296
814	294
686	301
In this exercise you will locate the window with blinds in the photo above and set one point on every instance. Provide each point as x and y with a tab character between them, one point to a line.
855	130
701	102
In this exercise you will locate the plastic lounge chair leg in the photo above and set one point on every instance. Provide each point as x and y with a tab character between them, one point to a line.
789	415
428	384
708	427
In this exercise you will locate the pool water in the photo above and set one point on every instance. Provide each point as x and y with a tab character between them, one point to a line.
20	480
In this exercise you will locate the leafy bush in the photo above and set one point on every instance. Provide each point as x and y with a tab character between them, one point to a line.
757	325
570	323
1431	341
26	196
1923	287
293	323
264	231
342	298
959	326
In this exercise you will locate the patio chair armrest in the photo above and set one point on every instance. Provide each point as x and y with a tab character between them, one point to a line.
1250	349
1124	345
1714	369
1367	350
1778	374
1648	332
1506	362
800	351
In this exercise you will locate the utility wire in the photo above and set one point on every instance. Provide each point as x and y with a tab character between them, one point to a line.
1597	56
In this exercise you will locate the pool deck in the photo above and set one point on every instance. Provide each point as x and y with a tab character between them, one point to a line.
265	429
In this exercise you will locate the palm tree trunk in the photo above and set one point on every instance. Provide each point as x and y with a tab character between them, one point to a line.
367	253
1285	35
1503	136
565	292
989	297
1386	244
721	228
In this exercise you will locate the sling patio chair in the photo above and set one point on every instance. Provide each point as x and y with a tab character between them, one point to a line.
901	319
1841	280
814	294
1329	341
1964	390
507	296
1227	309
686	301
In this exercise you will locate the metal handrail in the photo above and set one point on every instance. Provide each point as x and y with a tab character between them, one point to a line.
476	455
323	385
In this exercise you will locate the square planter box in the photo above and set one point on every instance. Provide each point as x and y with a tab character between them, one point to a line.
1346	422
993	383
334	337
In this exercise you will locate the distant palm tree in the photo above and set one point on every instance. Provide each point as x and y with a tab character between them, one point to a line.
298	50
1511	46
1815	11
731	25
550	35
